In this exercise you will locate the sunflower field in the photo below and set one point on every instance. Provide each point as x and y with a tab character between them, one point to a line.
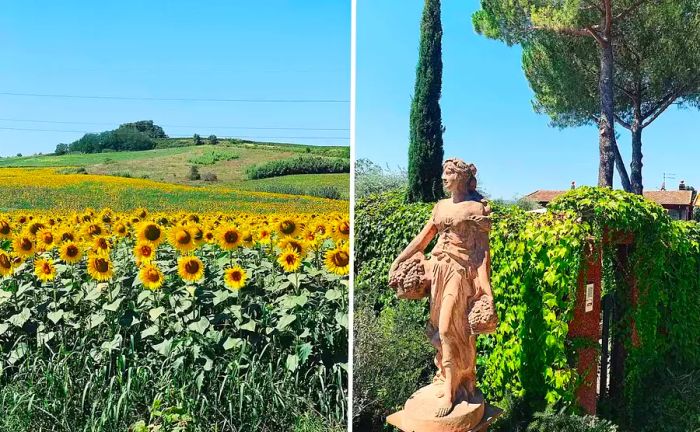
173	321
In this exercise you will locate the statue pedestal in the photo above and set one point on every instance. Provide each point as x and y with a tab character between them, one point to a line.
418	414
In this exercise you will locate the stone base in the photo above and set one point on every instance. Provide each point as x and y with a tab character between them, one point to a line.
418	414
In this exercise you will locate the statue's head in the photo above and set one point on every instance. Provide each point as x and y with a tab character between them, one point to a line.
458	175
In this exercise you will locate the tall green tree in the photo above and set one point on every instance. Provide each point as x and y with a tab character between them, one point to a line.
653	70
425	149
520	21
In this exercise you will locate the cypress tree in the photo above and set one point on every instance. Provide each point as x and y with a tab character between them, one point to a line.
425	149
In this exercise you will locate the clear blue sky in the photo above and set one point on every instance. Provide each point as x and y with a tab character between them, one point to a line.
279	49
487	110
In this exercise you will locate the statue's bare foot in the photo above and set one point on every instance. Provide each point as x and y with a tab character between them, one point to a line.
444	407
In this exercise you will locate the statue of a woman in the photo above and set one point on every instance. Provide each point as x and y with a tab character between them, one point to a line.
458	274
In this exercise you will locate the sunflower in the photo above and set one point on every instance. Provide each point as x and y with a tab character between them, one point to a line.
197	233
151	276
36	227
290	260
229	238
23	245
100	268
144	252
341	229
44	270
210	236
45	239
312	238
248	239
66	235
235	278
5	229
190	268
298	245
92	230
71	252
6	264
150	232
182	239
338	260
287	227
101	245
264	236
121	229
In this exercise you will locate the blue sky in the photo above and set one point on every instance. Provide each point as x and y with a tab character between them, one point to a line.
487	110
279	49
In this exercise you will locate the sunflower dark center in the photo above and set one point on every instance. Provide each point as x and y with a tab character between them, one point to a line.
72	251
5	261
26	244
183	237
340	259
287	227
231	237
152	232
101	265
5	228
192	267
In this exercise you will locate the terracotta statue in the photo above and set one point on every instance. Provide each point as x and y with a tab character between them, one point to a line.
456	277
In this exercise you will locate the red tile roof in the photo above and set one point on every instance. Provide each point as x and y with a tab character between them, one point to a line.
668	197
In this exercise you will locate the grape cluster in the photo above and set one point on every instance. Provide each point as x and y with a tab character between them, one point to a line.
409	279
482	317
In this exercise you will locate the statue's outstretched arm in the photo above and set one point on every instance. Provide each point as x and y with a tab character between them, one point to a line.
418	244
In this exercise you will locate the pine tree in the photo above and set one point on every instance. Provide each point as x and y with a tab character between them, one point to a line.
425	149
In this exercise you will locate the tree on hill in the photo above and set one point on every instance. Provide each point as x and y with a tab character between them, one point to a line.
146	127
61	149
425	150
653	69
197	139
521	21
213	139
123	139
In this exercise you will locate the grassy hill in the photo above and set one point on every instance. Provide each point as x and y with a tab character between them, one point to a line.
228	160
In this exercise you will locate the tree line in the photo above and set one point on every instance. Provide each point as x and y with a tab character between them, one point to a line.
140	135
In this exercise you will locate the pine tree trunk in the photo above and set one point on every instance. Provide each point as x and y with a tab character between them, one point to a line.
636	164
607	117
621	169
425	149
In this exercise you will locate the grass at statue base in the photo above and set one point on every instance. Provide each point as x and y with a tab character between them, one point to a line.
204	322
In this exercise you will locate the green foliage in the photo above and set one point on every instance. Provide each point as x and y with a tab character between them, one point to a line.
194	173
197	140
214	156
671	403
212	139
560	422
371	178
392	356
123	139
146	127
536	260
61	149
298	165
425	151
78	355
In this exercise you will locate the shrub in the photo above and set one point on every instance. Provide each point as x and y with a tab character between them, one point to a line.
392	357
298	165
125	174
209	177
329	192
281	189
194	173
212	157
213	140
371	178
197	139
551	422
